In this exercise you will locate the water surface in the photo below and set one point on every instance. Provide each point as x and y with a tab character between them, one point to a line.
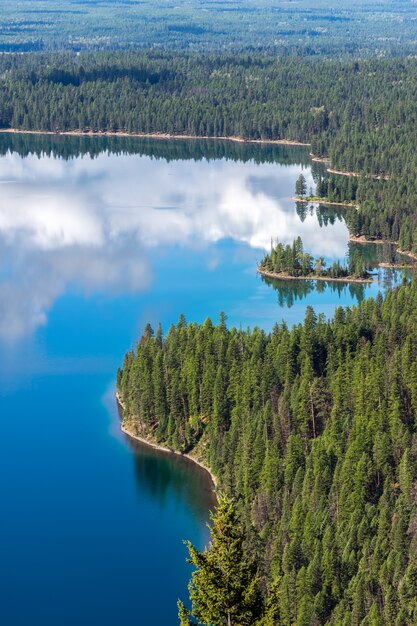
98	237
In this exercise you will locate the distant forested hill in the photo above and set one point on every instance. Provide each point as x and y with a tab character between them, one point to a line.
307	27
362	115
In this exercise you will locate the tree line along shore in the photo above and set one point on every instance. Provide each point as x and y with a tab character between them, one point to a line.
311	432
358	114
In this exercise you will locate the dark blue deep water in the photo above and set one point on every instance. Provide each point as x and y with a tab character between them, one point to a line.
96	239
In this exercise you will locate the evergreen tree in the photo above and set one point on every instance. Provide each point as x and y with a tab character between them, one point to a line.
225	588
301	186
312	431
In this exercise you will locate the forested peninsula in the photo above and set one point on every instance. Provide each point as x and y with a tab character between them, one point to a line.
312	431
359	114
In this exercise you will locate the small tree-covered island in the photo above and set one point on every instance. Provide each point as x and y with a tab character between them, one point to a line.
311	434
292	262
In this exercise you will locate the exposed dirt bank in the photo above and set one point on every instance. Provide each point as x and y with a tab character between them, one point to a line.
106	133
127	428
283	276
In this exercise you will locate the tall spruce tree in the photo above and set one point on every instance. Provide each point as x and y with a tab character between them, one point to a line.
301	186
225	587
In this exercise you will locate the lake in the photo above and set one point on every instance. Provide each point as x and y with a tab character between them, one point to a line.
98	236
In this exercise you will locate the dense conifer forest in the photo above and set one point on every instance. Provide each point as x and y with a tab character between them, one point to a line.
361	27
312	430
358	114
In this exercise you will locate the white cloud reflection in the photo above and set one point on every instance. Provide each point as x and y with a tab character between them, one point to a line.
96	223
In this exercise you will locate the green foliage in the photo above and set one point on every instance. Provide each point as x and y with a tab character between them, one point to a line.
225	587
293	261
359	114
301	186
358	26
312	431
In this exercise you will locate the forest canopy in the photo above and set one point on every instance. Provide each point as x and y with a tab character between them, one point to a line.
352	27
313	432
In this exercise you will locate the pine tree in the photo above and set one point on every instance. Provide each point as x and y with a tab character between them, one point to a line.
301	186
225	587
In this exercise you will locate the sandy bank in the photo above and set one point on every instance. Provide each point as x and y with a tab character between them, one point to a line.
396	266
90	133
363	239
347	279
323	201
125	428
356	175
409	254
318	159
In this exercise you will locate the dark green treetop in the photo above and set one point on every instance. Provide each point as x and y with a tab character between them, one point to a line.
225	588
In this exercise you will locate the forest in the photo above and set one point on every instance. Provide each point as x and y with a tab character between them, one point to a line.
293	261
312	432
357	27
359	114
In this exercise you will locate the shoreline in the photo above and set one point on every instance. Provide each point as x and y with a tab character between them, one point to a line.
184	136
107	133
318	159
326	202
161	448
363	239
411	255
331	170
348	279
379	242
396	266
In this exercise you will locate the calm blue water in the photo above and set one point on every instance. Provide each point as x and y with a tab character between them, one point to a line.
91	249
